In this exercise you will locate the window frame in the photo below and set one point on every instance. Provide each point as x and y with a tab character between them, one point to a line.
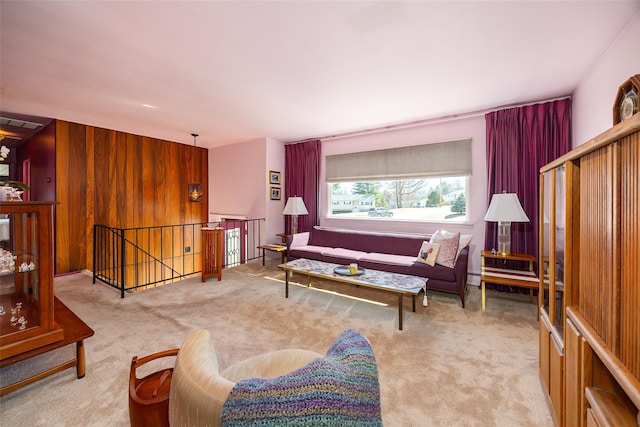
362	214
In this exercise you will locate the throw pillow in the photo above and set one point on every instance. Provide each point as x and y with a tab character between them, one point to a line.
428	253
448	248
465	239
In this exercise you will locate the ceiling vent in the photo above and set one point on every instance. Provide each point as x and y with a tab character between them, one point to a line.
19	123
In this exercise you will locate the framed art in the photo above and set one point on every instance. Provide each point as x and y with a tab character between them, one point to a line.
275	193
274	177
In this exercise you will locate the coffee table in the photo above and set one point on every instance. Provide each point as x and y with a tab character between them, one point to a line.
400	284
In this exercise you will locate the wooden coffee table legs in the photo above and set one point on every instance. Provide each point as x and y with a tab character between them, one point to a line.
80	359
400	299
286	284
400	312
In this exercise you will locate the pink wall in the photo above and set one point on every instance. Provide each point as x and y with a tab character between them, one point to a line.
594	97
239	183
274	219
236	177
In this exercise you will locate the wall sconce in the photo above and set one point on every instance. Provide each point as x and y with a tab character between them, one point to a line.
195	189
504	209
295	206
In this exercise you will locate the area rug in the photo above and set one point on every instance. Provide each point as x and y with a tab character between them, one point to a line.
448	366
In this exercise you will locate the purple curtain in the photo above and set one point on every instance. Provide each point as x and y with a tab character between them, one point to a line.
302	178
519	142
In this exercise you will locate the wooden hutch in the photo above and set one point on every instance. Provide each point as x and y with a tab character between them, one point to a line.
32	320
590	280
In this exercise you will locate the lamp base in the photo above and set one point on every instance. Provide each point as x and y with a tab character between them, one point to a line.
294	224
504	237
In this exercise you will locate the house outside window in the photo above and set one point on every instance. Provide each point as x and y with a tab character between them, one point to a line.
442	199
425	182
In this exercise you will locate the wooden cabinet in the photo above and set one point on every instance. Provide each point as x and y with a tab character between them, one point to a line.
26	278
557	215
212	252
589	296
576	365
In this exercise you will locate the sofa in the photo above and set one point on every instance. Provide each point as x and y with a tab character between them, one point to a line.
392	252
282	387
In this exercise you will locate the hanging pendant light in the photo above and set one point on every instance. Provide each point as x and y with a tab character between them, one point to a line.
195	189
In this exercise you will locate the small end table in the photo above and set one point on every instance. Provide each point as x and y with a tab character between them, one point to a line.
504	276
283	237
274	248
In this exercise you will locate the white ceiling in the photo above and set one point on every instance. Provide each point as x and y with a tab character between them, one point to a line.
290	70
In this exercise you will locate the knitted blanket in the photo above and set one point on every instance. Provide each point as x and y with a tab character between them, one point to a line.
340	389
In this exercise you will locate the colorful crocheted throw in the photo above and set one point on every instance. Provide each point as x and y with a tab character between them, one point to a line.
341	389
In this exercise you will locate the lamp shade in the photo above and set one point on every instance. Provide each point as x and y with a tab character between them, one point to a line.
295	206
505	207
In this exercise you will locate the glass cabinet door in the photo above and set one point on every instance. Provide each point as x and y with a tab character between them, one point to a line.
559	240
19	284
545	238
553	216
26	278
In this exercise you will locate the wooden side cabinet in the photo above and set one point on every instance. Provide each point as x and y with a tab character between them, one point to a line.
212	253
555	223
33	321
26	278
589	294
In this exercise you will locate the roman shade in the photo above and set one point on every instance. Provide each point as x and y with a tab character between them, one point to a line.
452	158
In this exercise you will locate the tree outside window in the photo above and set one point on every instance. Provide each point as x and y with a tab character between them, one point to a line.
421	199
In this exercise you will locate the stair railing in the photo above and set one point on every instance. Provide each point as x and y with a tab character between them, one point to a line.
140	258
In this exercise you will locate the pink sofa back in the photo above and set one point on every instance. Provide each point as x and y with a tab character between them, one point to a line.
407	244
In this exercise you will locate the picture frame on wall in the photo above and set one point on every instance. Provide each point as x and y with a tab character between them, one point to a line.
275	193
274	177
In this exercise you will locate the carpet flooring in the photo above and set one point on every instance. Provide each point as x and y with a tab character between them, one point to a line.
448	367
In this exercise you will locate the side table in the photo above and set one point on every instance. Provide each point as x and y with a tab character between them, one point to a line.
504	276
274	248
283	237
75	331
212	253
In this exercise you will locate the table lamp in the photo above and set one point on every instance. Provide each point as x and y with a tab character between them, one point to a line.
504	209
294	207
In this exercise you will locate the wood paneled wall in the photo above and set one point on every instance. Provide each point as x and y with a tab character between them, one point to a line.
121	180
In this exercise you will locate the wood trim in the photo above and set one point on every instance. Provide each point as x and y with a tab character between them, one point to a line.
619	131
618	370
572	234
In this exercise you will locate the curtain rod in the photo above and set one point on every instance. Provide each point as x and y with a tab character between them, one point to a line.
423	122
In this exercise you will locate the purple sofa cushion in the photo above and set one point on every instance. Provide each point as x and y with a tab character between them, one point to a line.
394	244
389	259
343	253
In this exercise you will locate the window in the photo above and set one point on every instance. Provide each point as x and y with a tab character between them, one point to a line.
423	182
428	199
